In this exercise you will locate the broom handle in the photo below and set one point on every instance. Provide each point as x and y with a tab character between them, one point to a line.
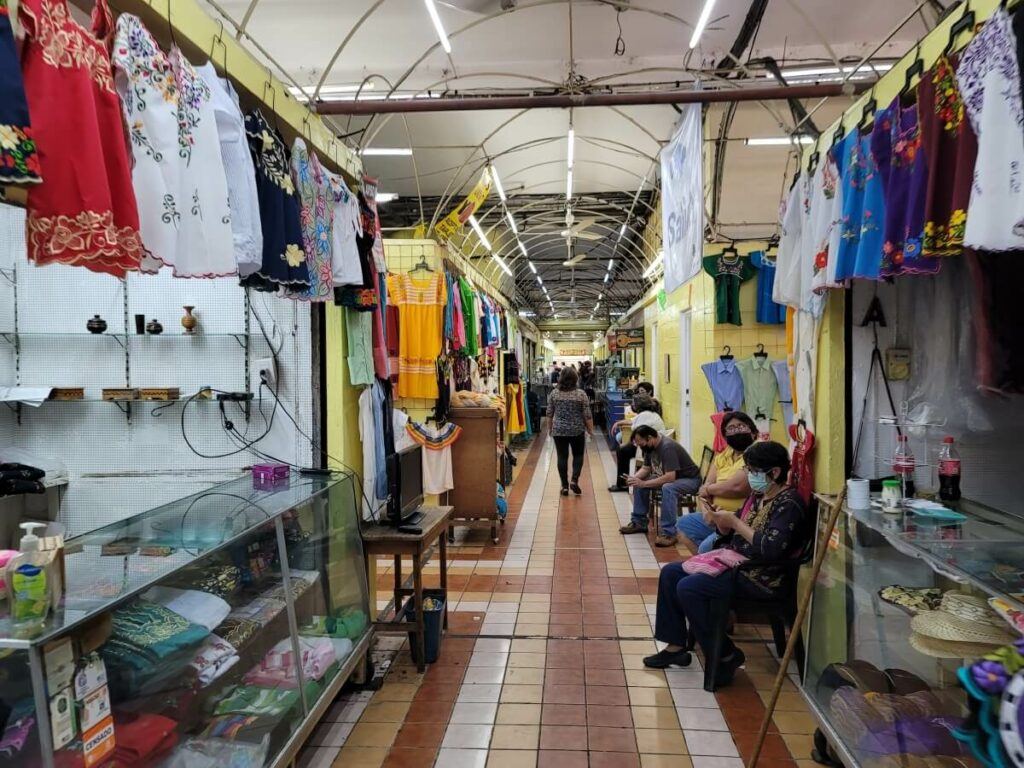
798	622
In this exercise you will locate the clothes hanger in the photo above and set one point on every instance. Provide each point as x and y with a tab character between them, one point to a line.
916	69
760	352
773	244
838	136
867	114
726	353
730	251
422	264
963	24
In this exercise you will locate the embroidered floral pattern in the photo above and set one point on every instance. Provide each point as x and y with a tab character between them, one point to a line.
193	93
88	236
19	162
145	65
294	255
949	107
993	48
140	138
66	43
271	156
945	239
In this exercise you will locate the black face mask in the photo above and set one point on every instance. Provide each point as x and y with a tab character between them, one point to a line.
740	441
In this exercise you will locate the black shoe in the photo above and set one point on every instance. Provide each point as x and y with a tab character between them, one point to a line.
617	488
632	527
575	487
727	668
665	659
565	491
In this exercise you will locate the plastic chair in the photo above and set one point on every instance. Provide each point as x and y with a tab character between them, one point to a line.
780	610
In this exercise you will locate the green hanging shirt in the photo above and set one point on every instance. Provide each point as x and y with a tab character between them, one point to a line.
729	272
468	317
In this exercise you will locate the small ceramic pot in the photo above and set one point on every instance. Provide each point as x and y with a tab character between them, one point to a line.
189	321
96	325
154	327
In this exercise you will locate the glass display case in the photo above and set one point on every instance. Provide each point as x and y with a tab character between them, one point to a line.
212	631
901	604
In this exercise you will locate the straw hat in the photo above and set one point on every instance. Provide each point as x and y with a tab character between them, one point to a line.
963	618
949	649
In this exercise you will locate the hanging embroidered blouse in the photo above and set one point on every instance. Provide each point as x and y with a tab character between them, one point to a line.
786	285
814	259
851	162
284	260
420	304
989	81
239	172
317	217
905	191
19	162
347	228
85	214
875	148
364	295
950	148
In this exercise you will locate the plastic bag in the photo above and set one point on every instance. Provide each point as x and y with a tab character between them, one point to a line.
218	753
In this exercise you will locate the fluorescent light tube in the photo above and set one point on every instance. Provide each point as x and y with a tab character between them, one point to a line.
539	281
385	152
305	93
532	268
702	22
523	248
653	267
502	264
622	232
385	197
572	147
607	276
600	296
512	222
778	141
439	27
866	68
568	185
480	233
497	183
611	263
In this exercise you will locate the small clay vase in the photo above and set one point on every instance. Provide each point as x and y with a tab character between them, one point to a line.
154	327
189	321
97	325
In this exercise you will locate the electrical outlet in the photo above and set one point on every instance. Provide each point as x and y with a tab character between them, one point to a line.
264	369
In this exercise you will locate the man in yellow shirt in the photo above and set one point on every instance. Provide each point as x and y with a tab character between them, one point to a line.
726	486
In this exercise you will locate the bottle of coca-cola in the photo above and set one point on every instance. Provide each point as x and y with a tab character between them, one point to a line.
949	471
903	466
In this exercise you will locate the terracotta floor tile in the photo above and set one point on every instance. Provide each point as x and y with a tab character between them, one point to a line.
612	660
436	692
554	758
563	737
402	757
421	735
426	711
564	694
614	760
601	739
774	747
564	714
598	676
615	695
564	677
611	716
564	660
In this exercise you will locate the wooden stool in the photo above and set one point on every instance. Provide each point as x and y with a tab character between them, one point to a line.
387	540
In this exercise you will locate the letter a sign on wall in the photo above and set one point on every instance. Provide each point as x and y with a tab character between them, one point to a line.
682	200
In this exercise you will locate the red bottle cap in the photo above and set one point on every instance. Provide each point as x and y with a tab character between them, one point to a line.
947	439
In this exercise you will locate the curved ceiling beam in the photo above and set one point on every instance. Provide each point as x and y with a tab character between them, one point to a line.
337	53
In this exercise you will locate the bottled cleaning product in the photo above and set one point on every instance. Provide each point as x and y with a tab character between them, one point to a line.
29	584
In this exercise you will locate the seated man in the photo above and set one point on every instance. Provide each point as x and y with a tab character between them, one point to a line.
643	407
667	466
726	485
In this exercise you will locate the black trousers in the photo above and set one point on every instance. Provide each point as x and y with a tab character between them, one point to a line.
578	443
624	455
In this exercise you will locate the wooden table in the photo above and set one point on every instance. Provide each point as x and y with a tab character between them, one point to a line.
387	540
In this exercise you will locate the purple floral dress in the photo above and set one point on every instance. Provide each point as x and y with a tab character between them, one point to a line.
906	189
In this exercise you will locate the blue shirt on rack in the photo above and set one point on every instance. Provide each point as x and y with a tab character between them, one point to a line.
768	312
726	384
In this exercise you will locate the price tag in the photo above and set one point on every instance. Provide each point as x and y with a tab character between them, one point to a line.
59	659
98	743
62	719
91	676
95	707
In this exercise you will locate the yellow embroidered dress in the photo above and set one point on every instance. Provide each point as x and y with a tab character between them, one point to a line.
420	303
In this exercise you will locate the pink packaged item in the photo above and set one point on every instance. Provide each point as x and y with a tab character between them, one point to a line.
714	563
277	669
268	476
5	558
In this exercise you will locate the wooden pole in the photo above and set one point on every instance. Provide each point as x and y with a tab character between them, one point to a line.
805	601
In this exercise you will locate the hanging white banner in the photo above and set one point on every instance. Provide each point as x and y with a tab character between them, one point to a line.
682	200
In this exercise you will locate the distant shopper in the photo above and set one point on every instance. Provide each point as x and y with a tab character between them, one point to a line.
667	466
555	373
771	528
647	388
726	485
569	417
643	407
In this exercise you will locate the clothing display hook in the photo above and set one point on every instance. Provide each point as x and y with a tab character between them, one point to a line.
307	129
218	39
760	351
726	353
839	135
961	25
916	69
170	26
867	114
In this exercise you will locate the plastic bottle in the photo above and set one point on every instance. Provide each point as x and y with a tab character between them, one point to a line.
949	471
29	584
903	466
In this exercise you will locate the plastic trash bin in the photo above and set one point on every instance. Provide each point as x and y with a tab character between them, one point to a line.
432	622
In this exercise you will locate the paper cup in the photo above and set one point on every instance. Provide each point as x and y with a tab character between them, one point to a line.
858	494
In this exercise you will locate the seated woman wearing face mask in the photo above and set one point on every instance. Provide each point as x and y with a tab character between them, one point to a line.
769	527
726	486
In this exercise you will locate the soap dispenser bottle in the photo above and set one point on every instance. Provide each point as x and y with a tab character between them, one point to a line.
29	584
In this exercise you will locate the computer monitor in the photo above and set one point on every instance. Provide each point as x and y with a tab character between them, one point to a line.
405	484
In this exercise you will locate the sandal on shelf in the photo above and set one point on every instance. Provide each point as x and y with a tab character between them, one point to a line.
911	599
865	675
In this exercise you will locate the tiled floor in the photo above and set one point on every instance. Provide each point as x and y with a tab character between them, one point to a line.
542	665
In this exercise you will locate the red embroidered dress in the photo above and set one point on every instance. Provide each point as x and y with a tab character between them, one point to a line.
84	213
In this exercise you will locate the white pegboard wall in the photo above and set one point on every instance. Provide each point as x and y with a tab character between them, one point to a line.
119	467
